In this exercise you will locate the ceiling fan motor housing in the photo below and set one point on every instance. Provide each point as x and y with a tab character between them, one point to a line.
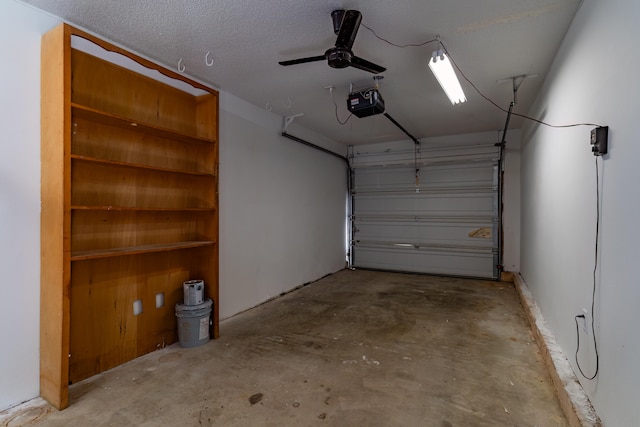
339	57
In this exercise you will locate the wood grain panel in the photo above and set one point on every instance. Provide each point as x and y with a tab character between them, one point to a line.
137	250
158	326
156	130
110	185
105	86
104	332
208	119
102	229
95	139
207	116
103	293
54	257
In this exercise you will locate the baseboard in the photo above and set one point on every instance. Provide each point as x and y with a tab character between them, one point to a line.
574	401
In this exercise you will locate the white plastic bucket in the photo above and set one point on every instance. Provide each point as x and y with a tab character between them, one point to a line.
193	323
193	292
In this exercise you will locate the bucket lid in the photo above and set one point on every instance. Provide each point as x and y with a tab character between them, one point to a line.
206	304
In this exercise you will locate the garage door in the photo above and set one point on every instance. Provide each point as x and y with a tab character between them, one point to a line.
426	210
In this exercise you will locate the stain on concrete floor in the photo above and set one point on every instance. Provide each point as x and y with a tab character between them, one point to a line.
355	348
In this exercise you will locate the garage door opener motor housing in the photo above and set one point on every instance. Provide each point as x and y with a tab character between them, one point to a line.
365	103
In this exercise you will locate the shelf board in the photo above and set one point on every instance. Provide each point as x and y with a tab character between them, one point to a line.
136	250
126	123
133	209
136	165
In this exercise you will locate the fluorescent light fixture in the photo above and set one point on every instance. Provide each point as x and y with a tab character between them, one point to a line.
443	70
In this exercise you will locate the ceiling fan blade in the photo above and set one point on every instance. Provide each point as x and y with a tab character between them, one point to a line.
348	29
336	19
365	65
302	60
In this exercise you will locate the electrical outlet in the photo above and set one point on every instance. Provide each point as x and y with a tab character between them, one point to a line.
585	320
600	140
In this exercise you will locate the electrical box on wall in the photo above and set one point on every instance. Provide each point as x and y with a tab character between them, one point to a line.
600	140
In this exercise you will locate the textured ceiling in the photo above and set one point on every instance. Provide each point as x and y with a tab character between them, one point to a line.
490	40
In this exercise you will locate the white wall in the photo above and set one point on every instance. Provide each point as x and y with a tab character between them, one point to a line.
20	31
282	207
593	79
282	204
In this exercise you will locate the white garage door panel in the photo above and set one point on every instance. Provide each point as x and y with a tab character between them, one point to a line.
446	222
414	205
362	156
433	178
425	234
426	261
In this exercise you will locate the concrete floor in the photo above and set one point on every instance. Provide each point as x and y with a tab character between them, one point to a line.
358	348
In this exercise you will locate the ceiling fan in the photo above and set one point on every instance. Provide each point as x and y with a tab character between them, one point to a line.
345	25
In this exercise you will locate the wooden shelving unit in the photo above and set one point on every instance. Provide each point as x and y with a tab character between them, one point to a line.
129	207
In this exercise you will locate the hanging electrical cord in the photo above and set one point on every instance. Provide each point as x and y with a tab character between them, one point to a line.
444	48
524	116
593	294
336	108
398	45
415	164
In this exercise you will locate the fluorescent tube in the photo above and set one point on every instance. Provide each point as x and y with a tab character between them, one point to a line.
443	70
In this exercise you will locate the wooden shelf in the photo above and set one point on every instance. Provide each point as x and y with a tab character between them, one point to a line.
125	123
133	209
137	250
137	166
128	162
105	184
